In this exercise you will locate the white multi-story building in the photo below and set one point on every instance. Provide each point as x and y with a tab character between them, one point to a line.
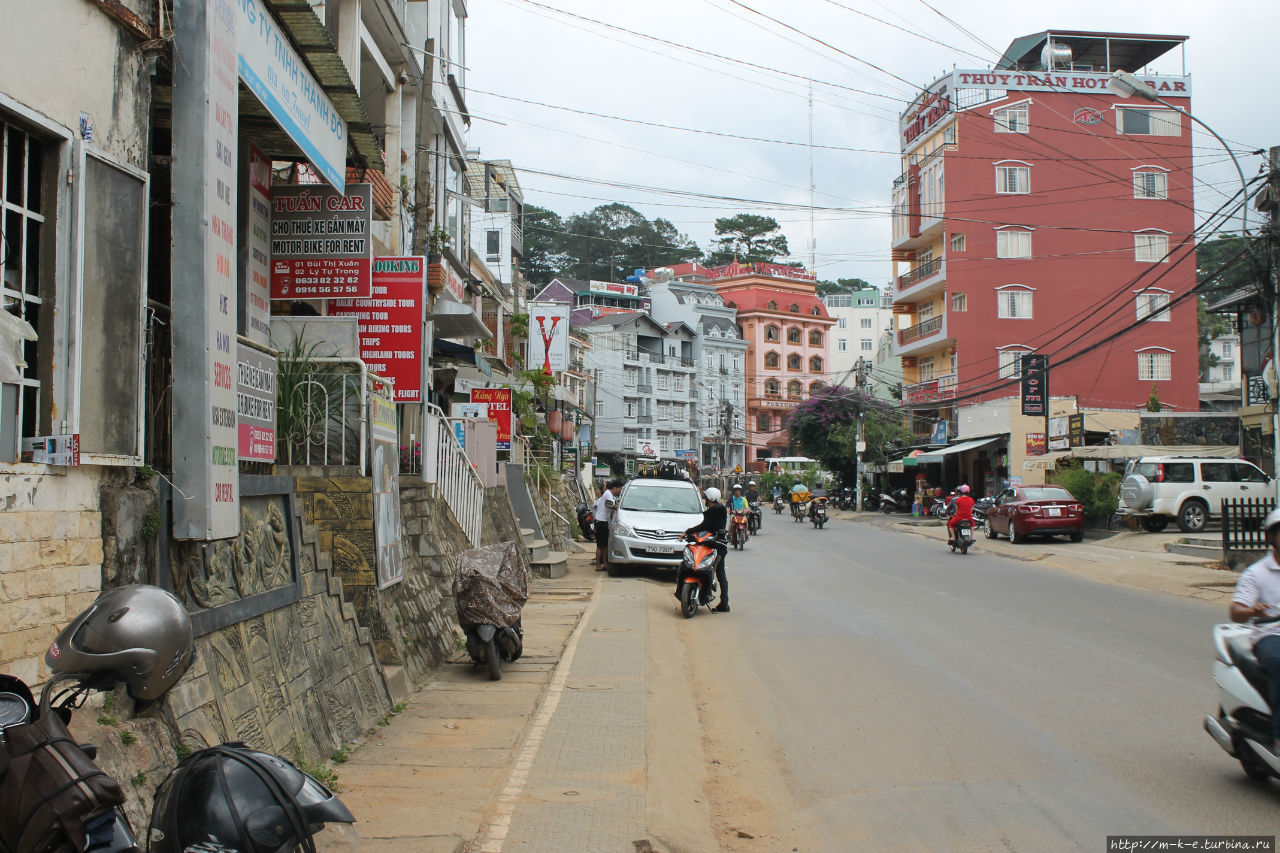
1220	383
719	352
862	318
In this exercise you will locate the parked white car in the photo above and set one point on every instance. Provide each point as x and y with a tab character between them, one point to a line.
651	516
1186	489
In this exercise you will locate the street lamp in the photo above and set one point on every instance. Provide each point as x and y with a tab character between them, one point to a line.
1126	85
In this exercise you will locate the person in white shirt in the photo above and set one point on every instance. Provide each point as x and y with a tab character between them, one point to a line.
1257	596
602	513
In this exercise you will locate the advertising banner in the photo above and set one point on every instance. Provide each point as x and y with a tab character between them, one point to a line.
277	76
390	323
1058	433
548	336
255	258
1035	385
1036	444
1075	430
205	131
386	487
613	287
52	450
255	405
646	449
1094	82
499	403
938	435
320	242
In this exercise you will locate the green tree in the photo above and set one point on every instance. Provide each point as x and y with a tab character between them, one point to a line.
824	427
544	255
1224	264
1153	401
749	238
610	242
843	285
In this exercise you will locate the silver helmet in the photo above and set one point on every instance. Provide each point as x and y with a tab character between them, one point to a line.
139	633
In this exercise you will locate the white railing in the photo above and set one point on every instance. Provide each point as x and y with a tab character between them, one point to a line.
451	472
324	413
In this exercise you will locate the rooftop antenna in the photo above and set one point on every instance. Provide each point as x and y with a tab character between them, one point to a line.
813	237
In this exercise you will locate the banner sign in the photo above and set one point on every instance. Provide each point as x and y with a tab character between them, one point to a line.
646	449
1058	433
277	76
1075	430
1035	385
1064	81
499	402
52	450
938	435
1036	444
255	405
548	336
613	288
205	313
386	487
320	242
255	265
390	323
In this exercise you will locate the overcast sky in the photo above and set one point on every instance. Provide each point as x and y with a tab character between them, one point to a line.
520	49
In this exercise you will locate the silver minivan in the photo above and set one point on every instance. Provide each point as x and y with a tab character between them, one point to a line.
1187	490
652	515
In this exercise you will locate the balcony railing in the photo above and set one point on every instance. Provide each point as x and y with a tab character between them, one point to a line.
920	330
323	413
451	472
517	236
644	389
919	273
930	391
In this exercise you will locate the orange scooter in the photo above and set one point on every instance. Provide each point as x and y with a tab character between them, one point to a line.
698	573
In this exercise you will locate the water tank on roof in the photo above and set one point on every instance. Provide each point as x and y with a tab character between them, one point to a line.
1055	56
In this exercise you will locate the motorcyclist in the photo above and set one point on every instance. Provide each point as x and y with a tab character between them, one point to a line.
961	510
738	503
753	493
714	519
1256	597
777	491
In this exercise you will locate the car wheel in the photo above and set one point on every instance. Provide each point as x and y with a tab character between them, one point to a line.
988	529
613	569
1015	536
1077	535
1155	523
1193	516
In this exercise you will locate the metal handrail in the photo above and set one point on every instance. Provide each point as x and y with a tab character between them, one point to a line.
314	387
454	475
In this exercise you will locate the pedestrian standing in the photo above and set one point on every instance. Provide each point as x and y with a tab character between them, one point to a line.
602	514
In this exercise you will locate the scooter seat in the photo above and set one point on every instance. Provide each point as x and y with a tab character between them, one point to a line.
1241	651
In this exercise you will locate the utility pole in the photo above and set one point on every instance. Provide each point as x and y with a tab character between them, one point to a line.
728	428
863	367
1269	201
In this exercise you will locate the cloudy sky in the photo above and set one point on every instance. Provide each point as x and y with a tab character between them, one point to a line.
556	62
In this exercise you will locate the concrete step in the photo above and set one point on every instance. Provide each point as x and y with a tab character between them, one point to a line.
397	683
554	565
527	535
1194	549
538	550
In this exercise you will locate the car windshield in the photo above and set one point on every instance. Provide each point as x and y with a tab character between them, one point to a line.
1046	494
643	497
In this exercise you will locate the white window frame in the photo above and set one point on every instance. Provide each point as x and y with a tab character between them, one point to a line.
1153	305
1164	122
1019	171
1015	302
1155	364
865	344
842	323
959	302
1009	359
842	345
1008	247
1006	118
957	242
1158	183
1151	247
864	322
664	410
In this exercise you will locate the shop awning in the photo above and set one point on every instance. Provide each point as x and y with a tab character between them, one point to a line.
939	455
454	320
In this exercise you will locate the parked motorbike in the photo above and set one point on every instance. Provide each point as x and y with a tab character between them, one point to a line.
583	513
818	512
1242	726
845	498
698	585
961	537
779	505
489	590
899	500
756	519
870	501
981	507
941	507
738	529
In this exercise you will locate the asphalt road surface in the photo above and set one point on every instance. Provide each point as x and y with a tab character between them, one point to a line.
915	699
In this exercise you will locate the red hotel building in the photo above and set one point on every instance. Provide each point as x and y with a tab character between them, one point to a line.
1039	212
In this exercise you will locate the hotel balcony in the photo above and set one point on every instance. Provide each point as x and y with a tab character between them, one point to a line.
927	335
922	282
936	390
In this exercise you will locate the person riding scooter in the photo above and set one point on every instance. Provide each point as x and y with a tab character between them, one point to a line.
1257	596
714	519
961	510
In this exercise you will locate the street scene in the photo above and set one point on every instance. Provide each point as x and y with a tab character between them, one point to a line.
467	426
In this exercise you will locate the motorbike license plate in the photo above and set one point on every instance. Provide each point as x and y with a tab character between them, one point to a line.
1055	511
660	547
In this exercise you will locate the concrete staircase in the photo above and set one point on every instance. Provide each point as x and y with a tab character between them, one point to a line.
1210	548
545	562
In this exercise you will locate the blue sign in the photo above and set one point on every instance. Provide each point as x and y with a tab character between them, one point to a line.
460	433
939	435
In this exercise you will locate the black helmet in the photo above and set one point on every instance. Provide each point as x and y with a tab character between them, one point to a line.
139	633
231	797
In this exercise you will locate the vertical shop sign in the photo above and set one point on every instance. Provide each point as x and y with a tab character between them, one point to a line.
320	242
390	323
205	126
499	402
548	336
386	487
255	268
1035	385
256	405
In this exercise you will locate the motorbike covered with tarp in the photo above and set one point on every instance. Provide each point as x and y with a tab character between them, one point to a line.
490	588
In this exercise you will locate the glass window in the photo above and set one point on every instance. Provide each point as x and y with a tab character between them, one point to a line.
1155	366
793	336
815	364
865	344
959	302
1228	349
1011	362
1151	248
492	244
794	362
1148	122
771	359
842	323
644	496
1013	179
1246	473
772	306
1013	303
1150	185
771	333
842	345
957	242
794	389
815	338
1013	243
1153	307
771	387
864	323
764	423
1218	472
1014	119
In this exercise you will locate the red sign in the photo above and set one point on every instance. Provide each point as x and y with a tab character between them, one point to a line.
1037	444
391	323
499	400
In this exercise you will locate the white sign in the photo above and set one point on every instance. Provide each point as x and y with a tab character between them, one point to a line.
548	336
1064	81
471	410
274	72
613	287
646	449
257	242
386	488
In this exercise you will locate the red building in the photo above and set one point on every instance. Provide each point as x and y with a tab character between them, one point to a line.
1039	212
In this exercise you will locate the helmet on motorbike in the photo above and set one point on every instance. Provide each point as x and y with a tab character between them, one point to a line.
751	483
1272	519
139	633
964	490
737	487
713	494
231	797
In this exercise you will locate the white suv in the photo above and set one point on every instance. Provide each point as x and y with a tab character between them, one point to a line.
652	515
1190	490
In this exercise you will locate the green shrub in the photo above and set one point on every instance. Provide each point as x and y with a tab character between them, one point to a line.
1098	493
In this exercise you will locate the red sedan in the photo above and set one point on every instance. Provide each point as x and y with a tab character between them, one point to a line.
1024	511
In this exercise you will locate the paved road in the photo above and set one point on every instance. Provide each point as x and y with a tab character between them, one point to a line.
924	700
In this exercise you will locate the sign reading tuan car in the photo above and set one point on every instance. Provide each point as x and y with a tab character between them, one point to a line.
320	242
